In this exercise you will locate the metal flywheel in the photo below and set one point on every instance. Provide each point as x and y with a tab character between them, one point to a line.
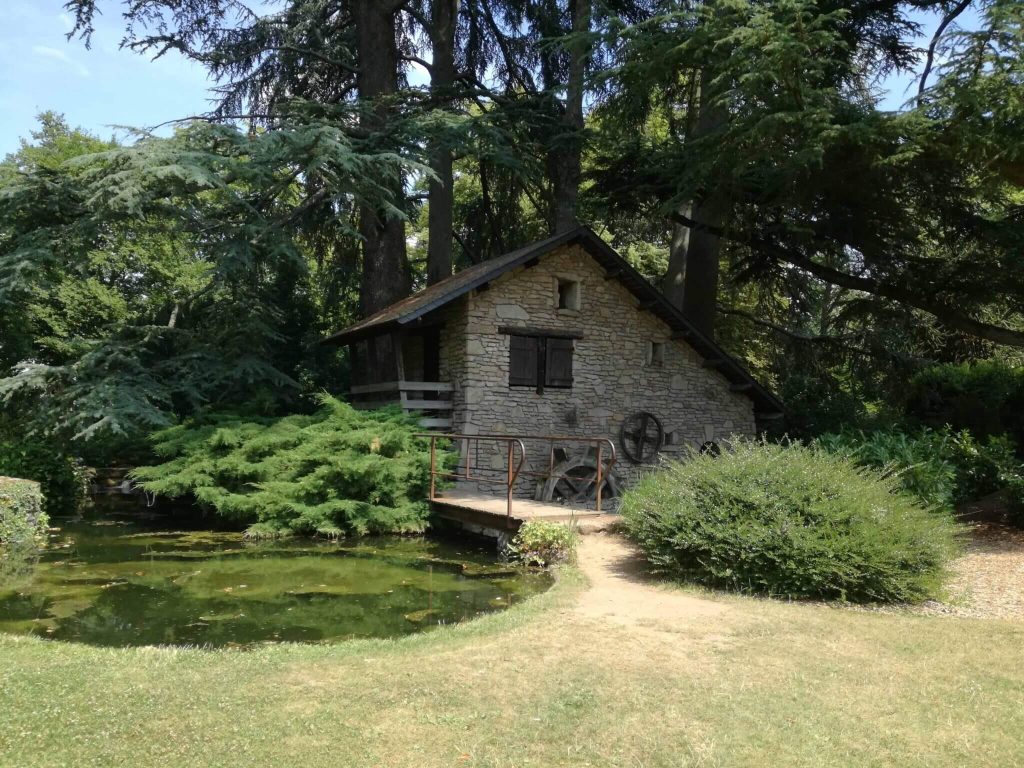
641	437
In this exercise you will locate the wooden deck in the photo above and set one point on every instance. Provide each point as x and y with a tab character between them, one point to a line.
488	514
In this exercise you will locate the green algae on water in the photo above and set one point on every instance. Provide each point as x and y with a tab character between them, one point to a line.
144	582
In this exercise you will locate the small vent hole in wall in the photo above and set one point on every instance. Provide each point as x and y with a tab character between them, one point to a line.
572	417
568	294
655	354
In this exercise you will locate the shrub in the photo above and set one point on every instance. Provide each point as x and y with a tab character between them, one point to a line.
23	522
941	467
543	543
790	521
333	472
64	480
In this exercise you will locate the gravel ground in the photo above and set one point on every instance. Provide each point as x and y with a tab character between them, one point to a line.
989	578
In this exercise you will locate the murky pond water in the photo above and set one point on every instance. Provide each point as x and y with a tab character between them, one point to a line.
123	581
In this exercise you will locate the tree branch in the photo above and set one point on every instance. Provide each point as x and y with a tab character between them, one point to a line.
947	314
843	341
948	19
417	60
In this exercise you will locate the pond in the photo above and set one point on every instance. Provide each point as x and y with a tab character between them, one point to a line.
121	581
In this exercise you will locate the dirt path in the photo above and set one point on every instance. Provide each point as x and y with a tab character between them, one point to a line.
621	592
987	582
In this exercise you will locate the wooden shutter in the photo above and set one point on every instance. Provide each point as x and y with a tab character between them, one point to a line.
558	368
522	361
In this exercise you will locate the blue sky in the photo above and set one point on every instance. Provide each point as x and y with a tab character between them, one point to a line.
104	86
95	89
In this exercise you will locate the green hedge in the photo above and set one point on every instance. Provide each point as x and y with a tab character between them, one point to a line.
789	521
335	472
23	522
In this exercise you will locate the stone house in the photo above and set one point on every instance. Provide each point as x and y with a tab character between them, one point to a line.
560	337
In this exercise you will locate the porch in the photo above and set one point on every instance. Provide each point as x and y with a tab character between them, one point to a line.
486	484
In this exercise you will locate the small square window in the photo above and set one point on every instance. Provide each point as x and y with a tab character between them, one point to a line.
568	294
656	354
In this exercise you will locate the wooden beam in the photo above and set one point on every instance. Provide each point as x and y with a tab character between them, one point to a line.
554	333
425	386
613	274
436	423
396	386
681	335
770	415
427	405
714	362
744	387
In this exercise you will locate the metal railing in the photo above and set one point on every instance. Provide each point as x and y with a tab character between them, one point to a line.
513	468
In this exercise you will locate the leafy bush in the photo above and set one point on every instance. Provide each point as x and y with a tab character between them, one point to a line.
791	521
941	467
984	397
64	480
23	522
543	543
333	472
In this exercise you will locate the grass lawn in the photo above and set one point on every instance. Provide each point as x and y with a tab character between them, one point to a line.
760	684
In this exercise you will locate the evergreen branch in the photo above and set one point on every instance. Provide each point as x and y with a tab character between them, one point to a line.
843	341
947	314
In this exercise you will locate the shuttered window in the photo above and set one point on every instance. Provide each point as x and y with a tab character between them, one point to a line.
540	361
522	362
558	368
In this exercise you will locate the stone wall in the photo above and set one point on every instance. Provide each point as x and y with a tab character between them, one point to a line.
612	375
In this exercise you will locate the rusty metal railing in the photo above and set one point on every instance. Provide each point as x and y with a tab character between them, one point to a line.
513	469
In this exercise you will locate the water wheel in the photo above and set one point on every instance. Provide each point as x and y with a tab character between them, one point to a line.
641	437
574	481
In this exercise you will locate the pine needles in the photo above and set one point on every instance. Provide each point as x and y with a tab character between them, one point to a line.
338	471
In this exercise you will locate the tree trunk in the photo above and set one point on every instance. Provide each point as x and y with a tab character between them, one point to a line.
566	157
691	282
442	202
385	275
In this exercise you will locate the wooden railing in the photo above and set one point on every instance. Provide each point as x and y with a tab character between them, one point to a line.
431	398
513	448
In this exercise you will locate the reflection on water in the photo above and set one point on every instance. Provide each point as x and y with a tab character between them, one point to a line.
123	581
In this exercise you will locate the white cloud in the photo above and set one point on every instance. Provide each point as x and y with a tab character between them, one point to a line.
66	20
59	55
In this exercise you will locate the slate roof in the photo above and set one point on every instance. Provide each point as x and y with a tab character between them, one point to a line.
412	308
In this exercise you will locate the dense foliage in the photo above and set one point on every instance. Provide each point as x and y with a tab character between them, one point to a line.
985	397
22	519
337	471
543	543
789	521
64	480
942	468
